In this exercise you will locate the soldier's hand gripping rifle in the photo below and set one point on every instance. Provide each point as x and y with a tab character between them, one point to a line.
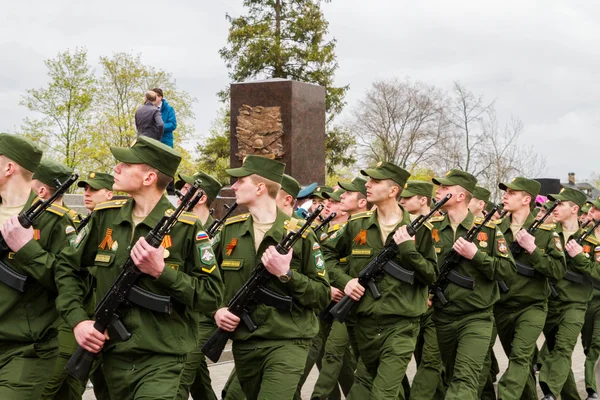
515	249
107	310
382	263
254	292
216	225
451	261
27	218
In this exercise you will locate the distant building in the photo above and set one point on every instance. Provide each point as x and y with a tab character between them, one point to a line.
591	191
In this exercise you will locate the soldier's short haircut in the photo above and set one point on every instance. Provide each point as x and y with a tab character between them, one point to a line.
162	179
468	195
25	173
272	186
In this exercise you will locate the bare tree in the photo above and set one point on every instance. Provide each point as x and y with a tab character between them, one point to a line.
400	122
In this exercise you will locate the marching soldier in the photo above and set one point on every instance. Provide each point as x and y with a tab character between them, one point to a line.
97	188
464	324
521	311
150	363
28	332
211	188
269	361
386	328
479	202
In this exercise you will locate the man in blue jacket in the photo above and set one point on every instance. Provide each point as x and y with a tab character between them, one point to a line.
168	116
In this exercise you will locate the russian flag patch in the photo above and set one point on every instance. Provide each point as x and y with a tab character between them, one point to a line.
201	236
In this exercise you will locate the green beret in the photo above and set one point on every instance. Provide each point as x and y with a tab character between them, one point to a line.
97	181
456	177
49	169
209	185
261	166
386	170
420	188
335	195
357	185
481	193
569	194
151	152
21	150
320	192
290	186
523	185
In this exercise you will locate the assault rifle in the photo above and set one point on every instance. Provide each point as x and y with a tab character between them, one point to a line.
254	292
323	224
216	225
447	273
27	218
108	309
382	263
515	249
84	222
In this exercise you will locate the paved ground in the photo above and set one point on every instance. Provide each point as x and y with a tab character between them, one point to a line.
219	372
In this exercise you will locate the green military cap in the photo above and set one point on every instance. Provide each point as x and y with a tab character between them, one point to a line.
335	195
386	170
151	152
548	204
524	185
357	185
50	169
420	188
595	203
481	193
290	186
97	181
489	205
21	150
208	184
569	194
261	166
586	207
320	192
456	177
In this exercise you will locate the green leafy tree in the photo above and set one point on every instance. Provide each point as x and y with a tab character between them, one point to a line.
214	151
65	105
287	39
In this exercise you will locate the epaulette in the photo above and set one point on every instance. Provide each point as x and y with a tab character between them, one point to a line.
313	225
188	218
58	210
437	218
237	218
363	214
428	224
110	204
300	223
592	240
547	227
334	228
479	220
74	215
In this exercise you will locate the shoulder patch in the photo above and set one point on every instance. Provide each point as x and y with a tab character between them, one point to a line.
188	218
364	214
110	204
546	227
237	218
437	218
58	210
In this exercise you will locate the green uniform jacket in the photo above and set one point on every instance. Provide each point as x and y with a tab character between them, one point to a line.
572	292
309	287
591	248
336	274
29	316
190	277
398	298
547	259
492	262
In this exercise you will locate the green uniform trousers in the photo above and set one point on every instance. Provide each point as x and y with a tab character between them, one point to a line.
386	346
590	339
195	379
563	325
491	365
25	367
98	381
338	364
519	329
270	369
143	376
427	383
464	342
61	385
232	389
315	355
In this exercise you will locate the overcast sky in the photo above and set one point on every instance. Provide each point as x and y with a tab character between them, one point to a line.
540	60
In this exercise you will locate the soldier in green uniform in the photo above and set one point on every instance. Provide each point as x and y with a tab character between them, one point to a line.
520	313
427	383
479	201
464	324
150	363
195	378
28	332
269	361
318	197
566	312
386	328
584	217
590	334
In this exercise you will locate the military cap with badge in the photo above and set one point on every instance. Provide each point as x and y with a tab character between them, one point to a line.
48	170
97	181
357	185
386	170
261	166
21	150
151	152
414	188
457	177
209	184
